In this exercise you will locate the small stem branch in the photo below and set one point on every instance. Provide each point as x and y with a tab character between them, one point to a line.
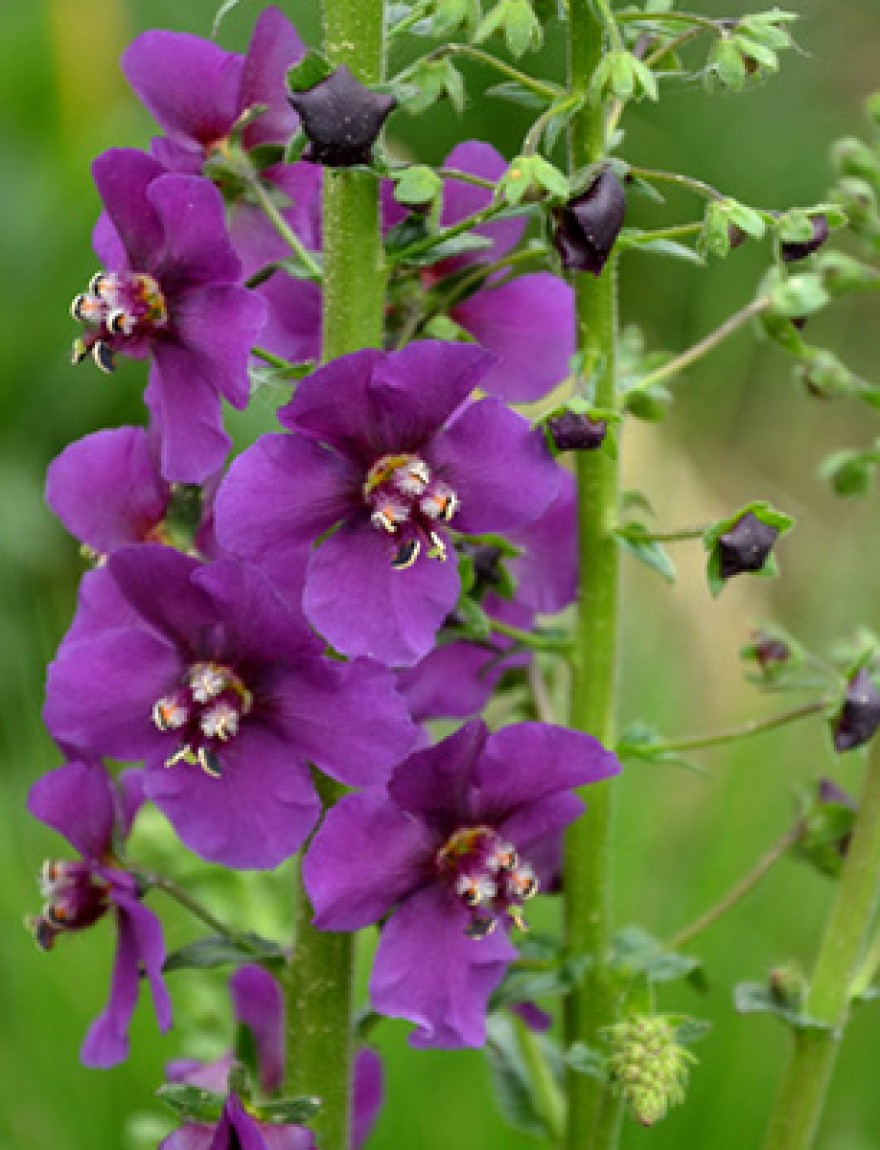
689	182
465	178
283	228
196	909
418	13
671	233
611	25
754	727
272	359
801	1098
540	694
738	891
650	60
547	1096
531	639
546	90
703	347
465	225
652	19
680	535
867	971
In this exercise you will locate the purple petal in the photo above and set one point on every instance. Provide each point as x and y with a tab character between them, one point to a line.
428	971
349	882
333	404
287	1138
434	784
258	1004
122	176
189	1137
254	237
188	415
535	1019
546	570
107	245
151	951
130	798
197	248
77	801
188	84
368	1095
293	321
212	1076
498	465
106	489
451	682
255	816
237	1130
461	200
274	47
364	606
528	322
284	490
158	582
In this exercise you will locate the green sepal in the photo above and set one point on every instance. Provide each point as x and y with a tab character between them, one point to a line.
756	998
532	177
287	1111
842	273
851	471
633	538
623	76
428	82
639	741
417	185
309	71
797	295
517	21
216	950
474	621
726	63
191	1103
825	826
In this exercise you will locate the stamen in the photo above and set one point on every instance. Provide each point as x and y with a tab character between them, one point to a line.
78	351
169	714
475	889
480	927
97	283
523	883
207	681
518	920
220	722
406	555
503	858
103	357
184	755
210	763
437	550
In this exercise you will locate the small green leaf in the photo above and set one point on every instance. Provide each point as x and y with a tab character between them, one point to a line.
309	71
511	1081
191	1103
207	953
629	241
287	1111
726	62
515	93
756	998
417	185
632	536
583	1059
850	471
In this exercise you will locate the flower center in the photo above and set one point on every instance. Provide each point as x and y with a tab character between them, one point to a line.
487	875
75	896
116	310
204	713
406	501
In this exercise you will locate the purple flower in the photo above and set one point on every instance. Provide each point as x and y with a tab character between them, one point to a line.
528	320
108	492
238	1130
170	290
385	452
80	802
465	828
200	671
197	92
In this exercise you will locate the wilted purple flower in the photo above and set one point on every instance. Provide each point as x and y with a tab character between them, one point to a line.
746	546
464	827
385	452
79	801
587	227
859	717
170	290
197	91
200	671
108	492
341	118
527	320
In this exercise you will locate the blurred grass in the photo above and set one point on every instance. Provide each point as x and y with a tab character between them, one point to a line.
738	430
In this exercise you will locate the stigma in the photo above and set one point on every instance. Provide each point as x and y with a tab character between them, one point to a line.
408	503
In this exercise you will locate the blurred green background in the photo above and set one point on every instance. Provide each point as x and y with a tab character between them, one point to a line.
739	430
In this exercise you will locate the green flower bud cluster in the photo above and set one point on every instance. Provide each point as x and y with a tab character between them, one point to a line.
647	1066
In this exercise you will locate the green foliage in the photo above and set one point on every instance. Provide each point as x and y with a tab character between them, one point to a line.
511	1081
191	1103
309	71
623	76
532	177
429	81
851	471
217	950
517	22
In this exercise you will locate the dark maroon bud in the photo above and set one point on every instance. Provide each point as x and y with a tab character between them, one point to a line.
859	716
587	226
574	432
746	546
800	251
487	566
770	653
342	119
736	237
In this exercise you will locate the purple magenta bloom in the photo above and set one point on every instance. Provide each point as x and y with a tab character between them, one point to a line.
238	1130
108	492
79	801
464	827
528	320
203	673
171	290
197	91
386	451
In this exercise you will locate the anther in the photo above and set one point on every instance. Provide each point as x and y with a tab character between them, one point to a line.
406	555
103	357
210	763
437	550
79	351
169	715
97	283
481	927
118	322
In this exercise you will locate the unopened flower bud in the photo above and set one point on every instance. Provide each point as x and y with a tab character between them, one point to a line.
341	118
572	431
791	250
647	1066
769	652
746	546
859	717
588	225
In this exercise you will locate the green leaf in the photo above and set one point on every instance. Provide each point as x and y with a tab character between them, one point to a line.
629	241
726	62
799	295
207	953
522	29
521	984
583	1059
516	94
288	1111
510	1078
475	622
640	741
632	537
417	185
851	471
691	1030
794	226
309	71
636	952
756	998
191	1103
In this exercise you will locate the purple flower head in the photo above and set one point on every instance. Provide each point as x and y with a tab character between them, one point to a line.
384	451
465	827
528	320
79	801
108	492
200	671
197	92
170	290
342	119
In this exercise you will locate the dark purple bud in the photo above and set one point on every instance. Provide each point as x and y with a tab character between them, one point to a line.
736	237
746	546
587	227
769	653
342	119
859	716
575	432
799	251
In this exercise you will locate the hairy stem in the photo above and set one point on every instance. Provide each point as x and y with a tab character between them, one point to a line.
746	730
801	1097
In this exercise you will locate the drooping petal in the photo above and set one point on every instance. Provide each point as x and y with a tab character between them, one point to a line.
122	176
151	952
434	784
189	85
428	971
77	801
368	1095
258	1004
106	1043
253	817
274	47
366	856
363	606
283	490
197	248
528	322
187	411
498	465
106	489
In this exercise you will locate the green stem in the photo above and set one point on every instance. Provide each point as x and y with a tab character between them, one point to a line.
801	1097
703	347
283	228
465	225
753	727
272	359
689	182
655	18
546	91
465	178
319	980
738	891
673	232
868	970
546	1094
587	878
678	536
535	641
196	909
611	25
